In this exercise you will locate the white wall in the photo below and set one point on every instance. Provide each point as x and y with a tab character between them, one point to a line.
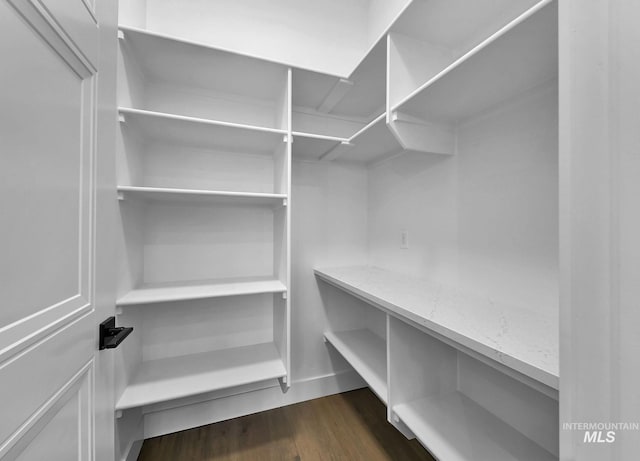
485	219
600	258
329	228
329	36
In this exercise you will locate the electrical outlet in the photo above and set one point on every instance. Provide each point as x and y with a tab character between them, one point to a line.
404	239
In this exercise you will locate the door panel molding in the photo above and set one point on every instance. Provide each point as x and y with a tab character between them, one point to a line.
64	33
81	385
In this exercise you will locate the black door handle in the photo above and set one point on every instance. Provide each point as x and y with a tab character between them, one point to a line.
110	335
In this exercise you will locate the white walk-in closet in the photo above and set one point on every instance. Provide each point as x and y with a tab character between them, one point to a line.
287	200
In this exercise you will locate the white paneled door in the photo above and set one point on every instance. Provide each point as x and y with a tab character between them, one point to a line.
49	52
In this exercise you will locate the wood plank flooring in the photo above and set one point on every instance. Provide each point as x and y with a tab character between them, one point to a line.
351	426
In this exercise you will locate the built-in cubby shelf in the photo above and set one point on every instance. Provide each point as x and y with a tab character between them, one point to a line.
167	74
150	293
209	196
192	131
455	428
431	367
177	377
366	353
513	338
516	58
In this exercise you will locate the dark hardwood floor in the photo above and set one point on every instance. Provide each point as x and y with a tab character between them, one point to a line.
351	426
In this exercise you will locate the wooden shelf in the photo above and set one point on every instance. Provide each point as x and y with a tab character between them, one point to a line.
192	131
167	58
520	56
454	428
314	146
513	338
209	196
366	353
182	291
177	377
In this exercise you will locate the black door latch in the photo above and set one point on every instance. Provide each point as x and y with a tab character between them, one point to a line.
110	335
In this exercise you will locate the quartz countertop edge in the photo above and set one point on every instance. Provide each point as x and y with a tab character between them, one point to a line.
519	339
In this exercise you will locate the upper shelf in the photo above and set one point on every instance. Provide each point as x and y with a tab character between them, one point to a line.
457	25
520	56
361	95
314	146
203	289
519	339
166	58
165	194
176	129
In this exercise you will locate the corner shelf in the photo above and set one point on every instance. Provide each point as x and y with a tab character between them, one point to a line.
455	428
518	57
371	143
367	354
359	95
183	291
512	338
177	377
177	129
314	146
196	195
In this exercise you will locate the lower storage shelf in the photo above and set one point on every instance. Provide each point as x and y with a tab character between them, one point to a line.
177	377
367	354
455	428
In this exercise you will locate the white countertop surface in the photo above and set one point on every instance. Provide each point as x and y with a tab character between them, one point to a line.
520	339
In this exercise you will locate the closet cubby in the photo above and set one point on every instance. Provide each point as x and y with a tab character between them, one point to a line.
460	408
358	333
197	347
456	371
166	75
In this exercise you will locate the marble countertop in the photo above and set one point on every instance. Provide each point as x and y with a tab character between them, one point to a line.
520	339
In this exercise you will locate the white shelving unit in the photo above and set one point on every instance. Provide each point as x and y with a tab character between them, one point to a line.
206	141
434	369
512	337
366	353
178	377
204	171
520	56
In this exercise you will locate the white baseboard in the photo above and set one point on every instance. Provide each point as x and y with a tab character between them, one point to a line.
199	414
